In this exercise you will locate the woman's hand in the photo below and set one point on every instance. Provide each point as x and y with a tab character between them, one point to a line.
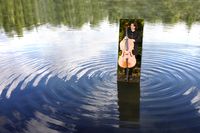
125	37
132	40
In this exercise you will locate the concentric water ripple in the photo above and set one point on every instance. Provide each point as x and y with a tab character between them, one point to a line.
170	98
55	91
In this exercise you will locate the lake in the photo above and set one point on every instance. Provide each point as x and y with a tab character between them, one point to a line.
58	64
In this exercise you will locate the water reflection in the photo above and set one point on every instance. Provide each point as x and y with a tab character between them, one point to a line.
129	104
18	15
44	87
169	85
60	75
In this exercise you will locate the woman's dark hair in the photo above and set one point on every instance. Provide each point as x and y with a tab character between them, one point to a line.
135	24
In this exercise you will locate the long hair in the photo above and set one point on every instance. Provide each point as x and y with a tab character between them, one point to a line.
135	24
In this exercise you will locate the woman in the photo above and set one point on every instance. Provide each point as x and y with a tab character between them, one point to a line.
133	35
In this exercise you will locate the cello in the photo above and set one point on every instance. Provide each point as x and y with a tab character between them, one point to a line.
127	59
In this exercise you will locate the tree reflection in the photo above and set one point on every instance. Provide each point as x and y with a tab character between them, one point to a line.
18	14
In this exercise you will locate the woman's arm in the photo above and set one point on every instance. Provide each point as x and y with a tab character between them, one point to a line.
137	38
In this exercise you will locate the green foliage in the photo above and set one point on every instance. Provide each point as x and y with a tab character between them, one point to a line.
15	15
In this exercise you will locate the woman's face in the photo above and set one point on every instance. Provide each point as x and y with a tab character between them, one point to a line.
132	27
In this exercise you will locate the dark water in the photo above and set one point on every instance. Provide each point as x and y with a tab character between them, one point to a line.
170	89
67	84
58	66
64	80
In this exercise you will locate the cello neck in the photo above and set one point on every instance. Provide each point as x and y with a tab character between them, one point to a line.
127	48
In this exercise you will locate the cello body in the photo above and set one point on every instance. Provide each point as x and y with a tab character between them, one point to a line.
127	59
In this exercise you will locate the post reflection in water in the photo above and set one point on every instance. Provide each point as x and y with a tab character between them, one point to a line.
129	104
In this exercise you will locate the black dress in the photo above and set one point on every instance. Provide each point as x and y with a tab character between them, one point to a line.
134	35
